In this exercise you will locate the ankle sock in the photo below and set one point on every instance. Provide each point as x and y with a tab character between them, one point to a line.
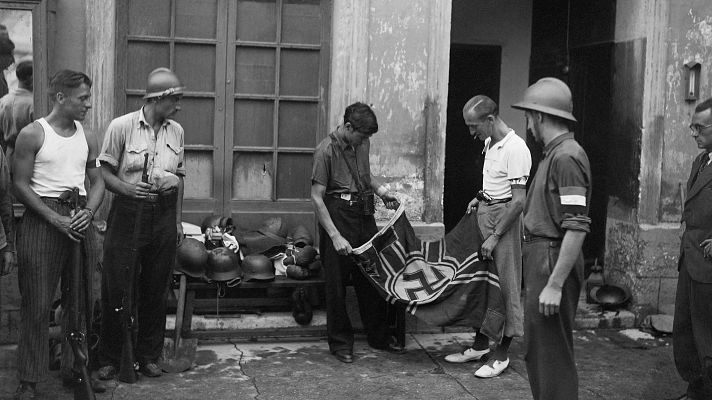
500	353
481	342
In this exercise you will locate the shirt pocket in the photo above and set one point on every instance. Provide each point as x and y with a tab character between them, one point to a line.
135	156
172	157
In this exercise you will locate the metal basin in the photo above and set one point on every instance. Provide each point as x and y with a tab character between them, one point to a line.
610	296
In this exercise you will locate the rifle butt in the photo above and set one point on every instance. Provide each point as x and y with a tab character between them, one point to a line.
127	370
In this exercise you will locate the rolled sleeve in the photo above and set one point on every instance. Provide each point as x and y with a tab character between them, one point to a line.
320	168
519	163
113	146
574	188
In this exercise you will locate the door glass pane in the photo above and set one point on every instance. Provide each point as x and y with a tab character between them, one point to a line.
294	176
299	73
297	124
252	176
301	22
253	123
196	18
257	20
254	71
143	58
152	18
199	173
195	66
197	116
134	103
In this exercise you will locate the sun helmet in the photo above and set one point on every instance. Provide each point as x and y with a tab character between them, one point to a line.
162	82
549	96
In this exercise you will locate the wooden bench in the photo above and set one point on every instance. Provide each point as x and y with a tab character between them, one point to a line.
230	304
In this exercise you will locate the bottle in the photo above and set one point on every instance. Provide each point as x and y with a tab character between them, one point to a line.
595	279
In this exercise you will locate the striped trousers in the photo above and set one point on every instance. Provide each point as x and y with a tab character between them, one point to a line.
44	256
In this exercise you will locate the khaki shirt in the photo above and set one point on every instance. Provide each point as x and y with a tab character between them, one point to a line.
330	168
560	194
129	137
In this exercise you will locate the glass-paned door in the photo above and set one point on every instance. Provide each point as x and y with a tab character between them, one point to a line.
256	73
276	110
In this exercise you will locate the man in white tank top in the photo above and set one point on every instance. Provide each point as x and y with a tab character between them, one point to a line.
52	155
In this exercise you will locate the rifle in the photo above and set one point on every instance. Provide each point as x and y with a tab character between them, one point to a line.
75	335
127	367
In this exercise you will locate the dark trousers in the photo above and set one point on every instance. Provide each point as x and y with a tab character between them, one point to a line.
692	334
44	256
156	244
338	270
550	348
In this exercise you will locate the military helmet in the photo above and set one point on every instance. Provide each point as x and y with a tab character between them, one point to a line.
549	96
162	82
223	265
191	257
225	223
301	236
257	267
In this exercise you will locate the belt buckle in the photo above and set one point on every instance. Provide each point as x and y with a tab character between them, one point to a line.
345	196
152	197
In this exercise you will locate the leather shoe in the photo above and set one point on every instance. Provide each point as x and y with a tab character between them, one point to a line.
151	370
25	392
96	386
392	346
344	356
106	373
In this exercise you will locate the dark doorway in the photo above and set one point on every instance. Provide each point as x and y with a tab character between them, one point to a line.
573	41
474	69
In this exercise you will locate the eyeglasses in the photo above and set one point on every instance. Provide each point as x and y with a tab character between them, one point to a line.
697	128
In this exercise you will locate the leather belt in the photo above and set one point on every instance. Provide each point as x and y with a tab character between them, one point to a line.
160	196
352	198
498	201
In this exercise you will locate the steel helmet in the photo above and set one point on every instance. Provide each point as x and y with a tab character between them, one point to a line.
300	236
162	82
209	222
550	96
257	267
191	257
223	265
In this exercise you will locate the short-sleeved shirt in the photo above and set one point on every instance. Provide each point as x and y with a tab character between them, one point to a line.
560	194
16	112
330	168
129	137
507	164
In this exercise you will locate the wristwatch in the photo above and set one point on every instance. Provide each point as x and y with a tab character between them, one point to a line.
497	235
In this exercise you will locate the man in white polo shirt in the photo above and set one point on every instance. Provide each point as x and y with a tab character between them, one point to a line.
499	208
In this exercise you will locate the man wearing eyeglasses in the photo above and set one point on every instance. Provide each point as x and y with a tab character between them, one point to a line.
692	329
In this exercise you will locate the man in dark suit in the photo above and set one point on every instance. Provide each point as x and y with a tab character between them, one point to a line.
692	329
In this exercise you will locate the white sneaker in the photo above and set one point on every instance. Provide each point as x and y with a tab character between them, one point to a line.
492	368
466	355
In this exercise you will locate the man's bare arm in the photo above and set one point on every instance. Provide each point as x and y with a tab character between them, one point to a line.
341	245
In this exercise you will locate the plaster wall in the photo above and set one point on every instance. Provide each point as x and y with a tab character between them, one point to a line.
393	55
643	239
505	23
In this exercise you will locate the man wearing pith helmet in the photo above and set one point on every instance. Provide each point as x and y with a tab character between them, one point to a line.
555	224
129	138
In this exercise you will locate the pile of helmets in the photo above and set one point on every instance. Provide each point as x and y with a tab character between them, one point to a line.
220	252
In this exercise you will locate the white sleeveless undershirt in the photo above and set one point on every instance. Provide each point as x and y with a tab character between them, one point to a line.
60	164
